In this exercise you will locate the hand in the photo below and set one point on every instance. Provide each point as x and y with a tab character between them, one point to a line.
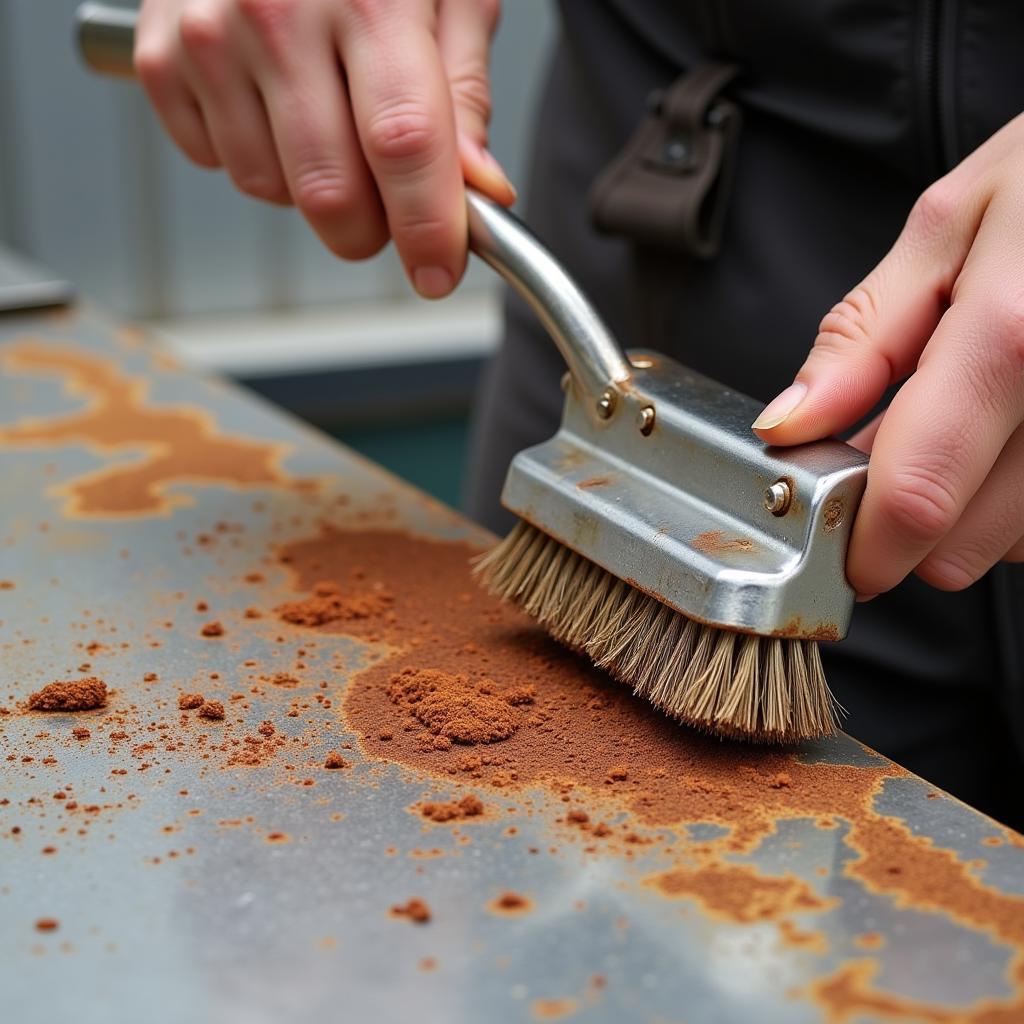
943	312
368	115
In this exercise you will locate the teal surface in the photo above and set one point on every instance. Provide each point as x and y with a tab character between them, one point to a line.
430	453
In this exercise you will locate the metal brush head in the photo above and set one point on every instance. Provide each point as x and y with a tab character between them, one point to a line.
761	688
672	493
692	561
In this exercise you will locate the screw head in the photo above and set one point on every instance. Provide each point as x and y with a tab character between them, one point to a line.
777	498
606	404
645	420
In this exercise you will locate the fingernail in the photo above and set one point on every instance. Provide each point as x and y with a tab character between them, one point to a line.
490	163
780	407
432	282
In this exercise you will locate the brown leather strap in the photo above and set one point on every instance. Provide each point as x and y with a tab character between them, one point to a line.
669	187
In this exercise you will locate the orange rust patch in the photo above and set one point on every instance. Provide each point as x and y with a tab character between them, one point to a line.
510	904
849	994
739	893
555	1009
172	444
580	726
813	941
594	481
713	542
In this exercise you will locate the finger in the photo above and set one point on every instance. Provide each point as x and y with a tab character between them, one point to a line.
989	528
157	66
864	439
464	32
304	94
232	109
948	424
873	338
1016	553
403	113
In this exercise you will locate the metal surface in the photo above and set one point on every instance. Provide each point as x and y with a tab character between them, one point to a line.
105	37
680	512
593	356
23	285
245	930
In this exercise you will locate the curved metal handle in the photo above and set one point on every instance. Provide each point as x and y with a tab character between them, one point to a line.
595	360
589	349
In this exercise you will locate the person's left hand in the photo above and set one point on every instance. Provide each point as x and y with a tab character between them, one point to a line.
943	311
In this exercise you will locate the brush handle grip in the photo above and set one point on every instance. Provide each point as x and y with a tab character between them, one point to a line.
106	37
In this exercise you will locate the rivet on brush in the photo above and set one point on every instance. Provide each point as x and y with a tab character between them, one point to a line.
645	420
777	498
606	404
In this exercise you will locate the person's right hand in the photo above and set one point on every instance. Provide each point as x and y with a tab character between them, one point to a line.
368	115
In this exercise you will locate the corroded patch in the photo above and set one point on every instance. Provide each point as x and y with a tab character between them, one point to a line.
172	444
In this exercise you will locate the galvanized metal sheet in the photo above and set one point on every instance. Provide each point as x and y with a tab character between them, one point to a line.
164	915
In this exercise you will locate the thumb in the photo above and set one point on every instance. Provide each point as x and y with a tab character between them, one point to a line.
464	31
875	336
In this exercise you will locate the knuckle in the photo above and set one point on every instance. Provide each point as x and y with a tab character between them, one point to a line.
201	30
270	18
403	135
154	66
848	322
324	196
1006	316
471	88
934	209
366	12
920	505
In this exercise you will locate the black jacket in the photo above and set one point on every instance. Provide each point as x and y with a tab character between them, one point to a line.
851	108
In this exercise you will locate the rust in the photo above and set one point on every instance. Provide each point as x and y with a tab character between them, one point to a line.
169	444
797	629
833	515
714	542
594	481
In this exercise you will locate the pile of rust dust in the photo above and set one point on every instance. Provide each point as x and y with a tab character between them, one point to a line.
70	695
477	693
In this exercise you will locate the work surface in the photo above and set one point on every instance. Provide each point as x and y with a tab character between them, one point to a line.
415	807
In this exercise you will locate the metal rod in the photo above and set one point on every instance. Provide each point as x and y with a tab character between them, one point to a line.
106	36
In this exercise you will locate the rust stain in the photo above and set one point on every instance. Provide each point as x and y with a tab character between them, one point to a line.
579	724
833	515
714	542
594	481
555	1009
849	993
739	893
796	628
171	444
809	940
510	904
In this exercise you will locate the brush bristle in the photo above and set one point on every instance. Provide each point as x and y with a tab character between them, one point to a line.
764	689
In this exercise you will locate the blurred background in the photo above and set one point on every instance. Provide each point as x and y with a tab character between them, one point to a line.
91	189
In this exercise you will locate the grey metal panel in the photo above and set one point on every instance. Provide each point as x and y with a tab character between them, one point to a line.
235	930
25	285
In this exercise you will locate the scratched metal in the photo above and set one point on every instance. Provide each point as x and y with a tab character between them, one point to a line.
248	931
